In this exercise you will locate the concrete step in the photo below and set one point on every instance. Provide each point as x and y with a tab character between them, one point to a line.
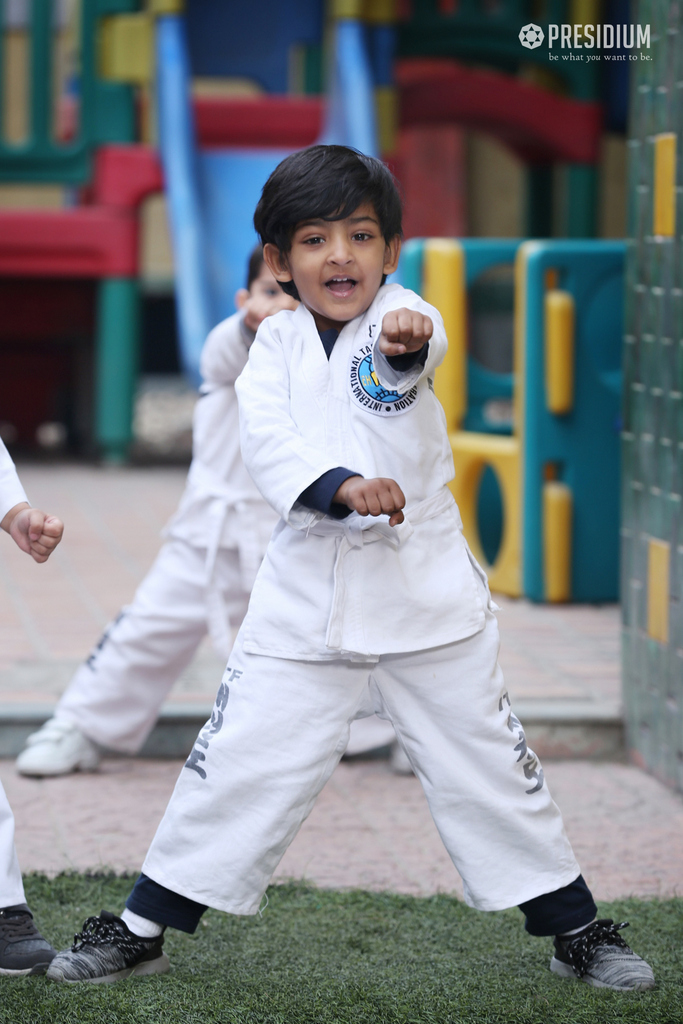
555	729
573	729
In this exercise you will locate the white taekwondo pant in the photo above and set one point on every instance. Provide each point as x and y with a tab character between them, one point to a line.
115	696
11	886
277	732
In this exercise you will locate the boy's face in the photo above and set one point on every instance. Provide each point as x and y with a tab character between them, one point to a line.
336	265
264	298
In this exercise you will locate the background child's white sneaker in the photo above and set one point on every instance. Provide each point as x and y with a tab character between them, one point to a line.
58	748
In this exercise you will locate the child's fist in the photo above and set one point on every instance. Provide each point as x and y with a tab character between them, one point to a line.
36	533
372	497
404	330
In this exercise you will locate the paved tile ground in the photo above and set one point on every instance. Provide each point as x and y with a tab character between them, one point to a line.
51	615
369	828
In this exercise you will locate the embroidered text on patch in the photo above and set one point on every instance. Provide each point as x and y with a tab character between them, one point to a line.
370	393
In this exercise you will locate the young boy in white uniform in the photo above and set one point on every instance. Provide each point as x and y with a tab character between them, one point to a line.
368	599
23	950
201	579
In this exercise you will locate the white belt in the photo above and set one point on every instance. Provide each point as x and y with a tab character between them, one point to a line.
356	531
223	500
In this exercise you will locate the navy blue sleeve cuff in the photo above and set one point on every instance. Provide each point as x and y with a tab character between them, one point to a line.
409	359
320	493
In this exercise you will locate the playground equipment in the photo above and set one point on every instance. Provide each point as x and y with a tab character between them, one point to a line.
524	115
98	240
556	464
212	193
652	452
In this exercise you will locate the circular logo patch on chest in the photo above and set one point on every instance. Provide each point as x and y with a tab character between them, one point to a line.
371	394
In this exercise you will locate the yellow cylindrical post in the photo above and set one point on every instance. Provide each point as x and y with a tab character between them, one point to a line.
444	287
557	540
559	351
664	204
386	107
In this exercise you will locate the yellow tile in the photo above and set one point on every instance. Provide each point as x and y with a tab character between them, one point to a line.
658	590
664	213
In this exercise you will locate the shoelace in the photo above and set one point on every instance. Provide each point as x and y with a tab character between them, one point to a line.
600	933
97	932
16	927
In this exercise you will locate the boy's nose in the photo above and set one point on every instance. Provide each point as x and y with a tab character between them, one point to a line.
341	253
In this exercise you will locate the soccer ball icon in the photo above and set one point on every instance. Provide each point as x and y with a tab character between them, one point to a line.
531	36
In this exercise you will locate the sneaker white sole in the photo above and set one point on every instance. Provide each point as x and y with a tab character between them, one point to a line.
5	972
87	763
566	971
158	966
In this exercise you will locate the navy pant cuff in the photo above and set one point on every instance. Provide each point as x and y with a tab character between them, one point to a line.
157	903
554	913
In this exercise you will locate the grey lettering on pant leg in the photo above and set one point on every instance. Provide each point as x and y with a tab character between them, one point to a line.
213	726
92	657
531	767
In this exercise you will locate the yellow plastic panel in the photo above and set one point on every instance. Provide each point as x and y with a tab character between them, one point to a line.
126	48
444	287
472	453
347	9
664	205
658	590
166	6
557	541
559	351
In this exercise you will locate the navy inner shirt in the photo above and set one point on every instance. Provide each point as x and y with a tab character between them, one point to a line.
319	494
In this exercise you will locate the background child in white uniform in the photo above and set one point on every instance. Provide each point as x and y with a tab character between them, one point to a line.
357	603
199	582
23	950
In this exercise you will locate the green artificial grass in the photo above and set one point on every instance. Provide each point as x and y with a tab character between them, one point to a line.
326	957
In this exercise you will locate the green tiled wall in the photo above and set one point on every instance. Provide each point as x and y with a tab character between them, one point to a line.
653	406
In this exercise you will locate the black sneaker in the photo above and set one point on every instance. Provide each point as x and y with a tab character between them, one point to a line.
23	950
599	956
106	951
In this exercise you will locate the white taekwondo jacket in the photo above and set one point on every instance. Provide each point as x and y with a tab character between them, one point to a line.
220	506
353	588
11	491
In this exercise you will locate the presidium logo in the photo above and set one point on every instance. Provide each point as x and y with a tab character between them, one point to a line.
531	36
588	37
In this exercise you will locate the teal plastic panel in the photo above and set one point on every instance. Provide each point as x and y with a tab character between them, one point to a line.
582	445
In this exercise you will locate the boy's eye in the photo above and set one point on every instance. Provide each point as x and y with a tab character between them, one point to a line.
315	240
361	236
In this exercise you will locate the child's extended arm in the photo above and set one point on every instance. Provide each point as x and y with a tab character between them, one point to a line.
35	532
403	331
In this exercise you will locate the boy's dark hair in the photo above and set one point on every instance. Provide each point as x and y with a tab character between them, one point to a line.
254	265
326	182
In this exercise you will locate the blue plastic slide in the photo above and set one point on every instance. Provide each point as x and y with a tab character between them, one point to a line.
212	195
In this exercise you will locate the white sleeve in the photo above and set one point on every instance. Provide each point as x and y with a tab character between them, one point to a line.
11	491
280	461
404	380
225	351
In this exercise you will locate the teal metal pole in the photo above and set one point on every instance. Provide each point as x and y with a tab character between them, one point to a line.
582	201
116	365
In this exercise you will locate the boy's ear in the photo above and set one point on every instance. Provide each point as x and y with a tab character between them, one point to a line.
241	296
276	262
392	252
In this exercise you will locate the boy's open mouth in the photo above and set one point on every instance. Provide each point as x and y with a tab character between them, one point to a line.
341	286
